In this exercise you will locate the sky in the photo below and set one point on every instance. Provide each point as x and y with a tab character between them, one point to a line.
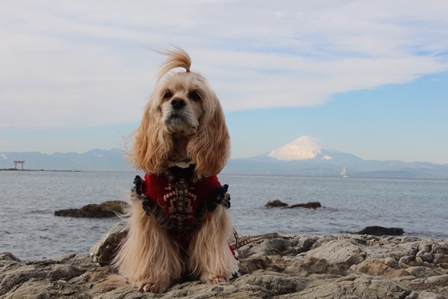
366	78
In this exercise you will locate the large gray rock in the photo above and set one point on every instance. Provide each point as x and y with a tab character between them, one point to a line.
355	287
105	249
272	266
344	252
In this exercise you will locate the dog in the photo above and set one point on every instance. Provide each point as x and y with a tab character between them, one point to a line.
178	220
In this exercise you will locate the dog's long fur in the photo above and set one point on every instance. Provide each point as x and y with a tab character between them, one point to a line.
149	257
209	147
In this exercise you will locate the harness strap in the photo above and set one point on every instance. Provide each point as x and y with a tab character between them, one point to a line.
173	179
149	205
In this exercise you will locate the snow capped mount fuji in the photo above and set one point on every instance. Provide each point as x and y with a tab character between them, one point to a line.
303	148
308	156
304	156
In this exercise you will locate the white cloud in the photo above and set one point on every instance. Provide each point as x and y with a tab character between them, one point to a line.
87	63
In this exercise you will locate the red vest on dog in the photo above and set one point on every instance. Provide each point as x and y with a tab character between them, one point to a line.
182	197
179	194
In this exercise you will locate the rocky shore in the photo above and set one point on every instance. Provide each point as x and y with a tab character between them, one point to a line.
272	266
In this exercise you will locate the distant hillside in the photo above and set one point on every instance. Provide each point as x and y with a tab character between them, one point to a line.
308	156
93	160
305	156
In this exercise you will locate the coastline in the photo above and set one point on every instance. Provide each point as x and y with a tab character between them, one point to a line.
35	170
273	266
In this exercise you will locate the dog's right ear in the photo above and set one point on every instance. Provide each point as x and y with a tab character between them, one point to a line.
151	144
210	146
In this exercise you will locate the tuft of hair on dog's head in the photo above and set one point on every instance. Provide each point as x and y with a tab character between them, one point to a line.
177	58
208	146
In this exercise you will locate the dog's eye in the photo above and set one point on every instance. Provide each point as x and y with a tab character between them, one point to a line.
167	95
194	96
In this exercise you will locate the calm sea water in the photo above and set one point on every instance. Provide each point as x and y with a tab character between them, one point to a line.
29	229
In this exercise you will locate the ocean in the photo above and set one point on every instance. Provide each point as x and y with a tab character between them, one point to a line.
28	199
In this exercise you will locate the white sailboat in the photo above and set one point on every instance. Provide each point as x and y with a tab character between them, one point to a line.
344	172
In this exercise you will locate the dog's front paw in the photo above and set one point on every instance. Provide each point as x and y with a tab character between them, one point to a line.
152	287
216	279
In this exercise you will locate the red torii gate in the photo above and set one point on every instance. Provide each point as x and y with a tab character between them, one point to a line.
18	162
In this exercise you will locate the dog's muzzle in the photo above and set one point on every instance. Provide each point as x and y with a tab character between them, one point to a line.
177	103
176	114
177	118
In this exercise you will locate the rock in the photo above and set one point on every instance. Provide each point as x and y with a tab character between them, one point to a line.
377	268
272	266
275	283
341	252
278	203
421	272
275	204
391	262
8	256
308	205
104	251
42	278
381	231
430	295
104	210
360	287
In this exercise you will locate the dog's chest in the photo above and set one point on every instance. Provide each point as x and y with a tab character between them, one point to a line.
180	195
180	203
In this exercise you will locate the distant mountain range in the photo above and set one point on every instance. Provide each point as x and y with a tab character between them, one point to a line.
93	160
305	156
308	156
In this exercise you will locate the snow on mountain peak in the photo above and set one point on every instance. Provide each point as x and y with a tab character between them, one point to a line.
303	148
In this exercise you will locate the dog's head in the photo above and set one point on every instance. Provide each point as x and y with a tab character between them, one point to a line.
183	120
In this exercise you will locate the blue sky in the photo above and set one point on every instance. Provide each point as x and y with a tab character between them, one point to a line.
370	79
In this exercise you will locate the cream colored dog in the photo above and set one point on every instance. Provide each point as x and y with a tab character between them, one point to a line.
178	220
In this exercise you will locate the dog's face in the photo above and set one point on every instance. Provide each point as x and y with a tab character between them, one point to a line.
182	107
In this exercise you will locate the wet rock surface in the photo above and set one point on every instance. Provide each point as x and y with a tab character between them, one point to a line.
308	205
106	209
277	203
273	266
381	231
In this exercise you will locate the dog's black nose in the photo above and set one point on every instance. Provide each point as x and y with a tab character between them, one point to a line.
177	103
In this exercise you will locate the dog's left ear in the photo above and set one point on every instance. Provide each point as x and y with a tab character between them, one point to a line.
210	147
